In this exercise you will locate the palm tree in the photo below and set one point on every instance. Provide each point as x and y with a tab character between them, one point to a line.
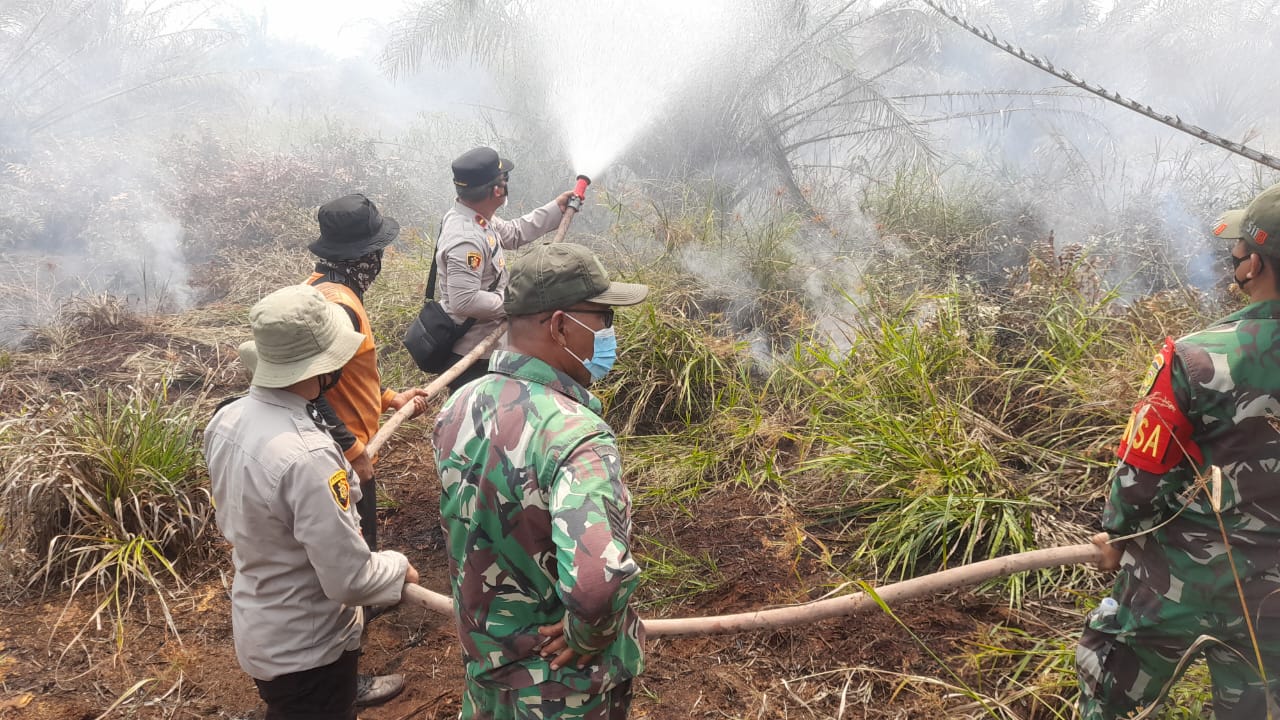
72	66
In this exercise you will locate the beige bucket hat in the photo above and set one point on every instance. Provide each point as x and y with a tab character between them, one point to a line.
297	334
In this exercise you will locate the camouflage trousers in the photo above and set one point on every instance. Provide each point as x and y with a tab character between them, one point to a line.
1124	660
548	701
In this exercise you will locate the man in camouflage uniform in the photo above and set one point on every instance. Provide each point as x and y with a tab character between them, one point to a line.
536	517
1212	400
469	253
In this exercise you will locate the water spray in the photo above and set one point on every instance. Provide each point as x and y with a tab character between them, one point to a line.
575	204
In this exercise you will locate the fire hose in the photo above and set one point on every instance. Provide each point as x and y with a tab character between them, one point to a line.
395	421
771	618
804	614
942	581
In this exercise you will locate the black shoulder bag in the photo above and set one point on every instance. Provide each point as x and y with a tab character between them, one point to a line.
432	335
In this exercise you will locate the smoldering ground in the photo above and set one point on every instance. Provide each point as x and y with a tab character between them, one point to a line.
812	108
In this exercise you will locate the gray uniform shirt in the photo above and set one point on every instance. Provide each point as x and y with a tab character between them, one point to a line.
286	501
470	258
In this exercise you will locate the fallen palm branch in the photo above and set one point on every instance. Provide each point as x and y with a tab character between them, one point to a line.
1172	121
931	584
395	421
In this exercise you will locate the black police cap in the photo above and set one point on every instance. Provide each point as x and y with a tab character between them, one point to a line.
478	167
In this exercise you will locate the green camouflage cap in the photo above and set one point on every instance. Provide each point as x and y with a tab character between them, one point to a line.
554	276
1259	223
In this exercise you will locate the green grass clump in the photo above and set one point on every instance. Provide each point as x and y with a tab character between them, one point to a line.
672	575
673	371
110	494
900	456
1039	673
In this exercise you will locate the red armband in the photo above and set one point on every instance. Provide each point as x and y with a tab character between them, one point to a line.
1158	435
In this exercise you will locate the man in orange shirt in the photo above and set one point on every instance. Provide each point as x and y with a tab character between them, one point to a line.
353	235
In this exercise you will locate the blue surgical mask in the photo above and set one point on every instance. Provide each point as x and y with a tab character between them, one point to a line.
604	353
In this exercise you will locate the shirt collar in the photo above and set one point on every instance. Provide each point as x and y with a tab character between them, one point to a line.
279	398
470	214
531	369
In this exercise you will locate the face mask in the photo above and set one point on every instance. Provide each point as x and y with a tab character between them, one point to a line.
329	381
1236	262
604	353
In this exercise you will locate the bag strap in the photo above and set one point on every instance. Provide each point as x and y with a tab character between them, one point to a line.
431	276
329	276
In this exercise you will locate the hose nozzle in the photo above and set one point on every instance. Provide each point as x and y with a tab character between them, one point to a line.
579	192
575	204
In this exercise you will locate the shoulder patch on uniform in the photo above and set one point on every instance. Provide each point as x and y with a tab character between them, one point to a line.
340	489
1157	364
619	520
1158	435
607	453
473	260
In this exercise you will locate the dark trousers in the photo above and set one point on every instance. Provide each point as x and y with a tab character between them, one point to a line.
323	693
368	509
478	369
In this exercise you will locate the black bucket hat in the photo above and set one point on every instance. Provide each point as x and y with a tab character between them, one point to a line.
350	227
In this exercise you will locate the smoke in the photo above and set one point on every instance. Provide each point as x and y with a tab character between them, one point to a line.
1088	169
134	138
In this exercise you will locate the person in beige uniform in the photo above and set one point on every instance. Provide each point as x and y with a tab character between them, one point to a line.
469	253
286	501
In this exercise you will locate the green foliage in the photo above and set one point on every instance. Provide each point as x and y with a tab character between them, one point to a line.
900	452
673	371
110	494
672	575
394	301
1039	672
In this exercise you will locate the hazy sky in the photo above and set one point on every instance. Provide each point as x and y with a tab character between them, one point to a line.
345	28
352	28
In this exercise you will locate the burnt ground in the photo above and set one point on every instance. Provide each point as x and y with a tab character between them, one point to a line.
806	672
749	551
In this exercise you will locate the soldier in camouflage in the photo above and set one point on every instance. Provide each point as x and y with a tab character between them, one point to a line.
536	517
1198	556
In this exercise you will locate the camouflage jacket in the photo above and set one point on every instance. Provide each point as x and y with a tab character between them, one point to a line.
1225	383
537	523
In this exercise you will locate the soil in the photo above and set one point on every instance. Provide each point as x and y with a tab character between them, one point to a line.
55	664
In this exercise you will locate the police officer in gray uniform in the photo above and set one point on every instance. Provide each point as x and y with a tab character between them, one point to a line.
286	501
472	266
